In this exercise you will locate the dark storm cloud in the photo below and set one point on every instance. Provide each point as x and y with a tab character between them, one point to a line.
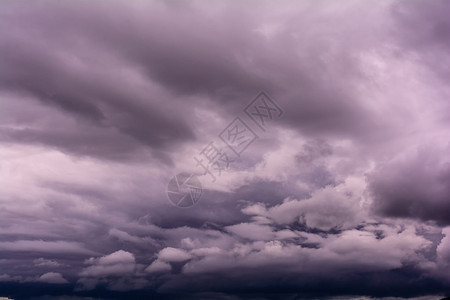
103	102
58	69
83	143
429	40
80	47
416	186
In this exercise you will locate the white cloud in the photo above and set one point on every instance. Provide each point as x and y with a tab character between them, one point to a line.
339	206
117	258
443	249
158	266
42	262
348	251
52	277
170	254
118	263
252	231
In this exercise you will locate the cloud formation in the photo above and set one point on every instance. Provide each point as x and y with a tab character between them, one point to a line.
345	195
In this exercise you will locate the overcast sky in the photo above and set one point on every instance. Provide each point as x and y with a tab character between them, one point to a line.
343	193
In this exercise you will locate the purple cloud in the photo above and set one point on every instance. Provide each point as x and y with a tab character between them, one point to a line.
345	195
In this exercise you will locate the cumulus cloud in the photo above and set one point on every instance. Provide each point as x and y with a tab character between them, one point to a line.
117	271
170	254
114	264
338	207
443	249
158	266
251	231
349	250
52	277
42	262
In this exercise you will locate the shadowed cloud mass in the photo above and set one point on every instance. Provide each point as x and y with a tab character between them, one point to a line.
345	196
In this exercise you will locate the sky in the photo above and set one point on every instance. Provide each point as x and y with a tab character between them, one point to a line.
306	144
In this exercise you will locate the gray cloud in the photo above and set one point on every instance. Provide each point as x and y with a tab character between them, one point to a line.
415	185
345	195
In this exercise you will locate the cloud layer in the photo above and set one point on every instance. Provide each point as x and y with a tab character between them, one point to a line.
347	194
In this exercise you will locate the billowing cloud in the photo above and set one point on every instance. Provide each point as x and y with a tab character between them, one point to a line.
443	250
117	263
338	207
158	266
52	277
42	262
344	194
414	185
170	254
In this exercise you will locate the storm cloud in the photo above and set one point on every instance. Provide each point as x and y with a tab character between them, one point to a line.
344	193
